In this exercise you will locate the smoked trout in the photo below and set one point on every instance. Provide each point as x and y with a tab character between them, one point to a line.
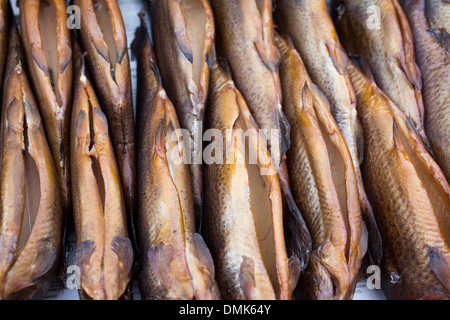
409	194
103	37
104	251
324	184
432	47
243	219
311	29
176	261
183	33
30	195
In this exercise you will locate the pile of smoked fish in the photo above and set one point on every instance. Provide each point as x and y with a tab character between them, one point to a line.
327	130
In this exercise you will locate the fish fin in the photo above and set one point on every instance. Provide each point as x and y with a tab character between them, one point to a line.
338	56
48	255
297	236
203	254
38	56
271	61
101	47
318	96
408	64
167	265
32	115
285	130
124	250
211	56
295	267
82	125
359	142
83	254
247	277
361	63
65	55
100	122
315	283
443	37
160	148
178	23
440	267
205	259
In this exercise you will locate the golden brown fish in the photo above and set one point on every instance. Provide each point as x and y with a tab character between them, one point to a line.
176	262
410	197
243	220
245	39
47	44
103	37
30	199
183	33
4	31
432	45
379	31
309	25
323	182
104	252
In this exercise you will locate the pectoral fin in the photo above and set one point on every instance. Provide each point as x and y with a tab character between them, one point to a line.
440	267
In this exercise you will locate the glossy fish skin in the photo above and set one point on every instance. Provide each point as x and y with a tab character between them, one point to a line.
4	30
104	252
108	61
246	267
389	51
176	262
322	179
49	61
185	72
245	40
410	197
30	231
432	47
309	25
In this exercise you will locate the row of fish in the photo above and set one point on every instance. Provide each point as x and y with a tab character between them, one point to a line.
356	176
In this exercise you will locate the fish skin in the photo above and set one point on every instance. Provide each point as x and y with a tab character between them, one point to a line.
308	24
438	13
339	240
4	31
29	267
54	108
410	197
389	51
174	53
237	252
115	95
176	262
245	40
104	251
432	47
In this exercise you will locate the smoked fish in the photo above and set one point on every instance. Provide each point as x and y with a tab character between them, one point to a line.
432	47
104	251
30	195
245	40
409	194
309	25
176	263
379	31
243	219
103	37
48	50
324	184
183	33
